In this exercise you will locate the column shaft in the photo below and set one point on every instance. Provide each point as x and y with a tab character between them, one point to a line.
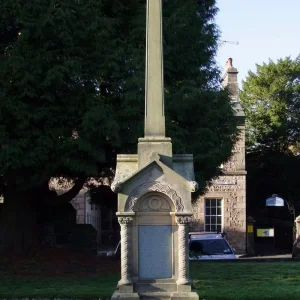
126	250
154	89
183	250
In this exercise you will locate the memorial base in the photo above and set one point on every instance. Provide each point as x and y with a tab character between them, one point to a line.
126	296
159	289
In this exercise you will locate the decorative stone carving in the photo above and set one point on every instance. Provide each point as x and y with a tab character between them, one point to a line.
194	185
183	254
126	250
154	203
225	188
154	156
116	186
233	219
233	211
226	180
296	245
125	220
183	220
153	186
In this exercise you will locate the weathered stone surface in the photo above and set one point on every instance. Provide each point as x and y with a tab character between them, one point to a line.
154	92
230	187
185	296
147	146
126	288
154	198
155	252
125	296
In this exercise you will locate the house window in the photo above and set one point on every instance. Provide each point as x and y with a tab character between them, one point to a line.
213	214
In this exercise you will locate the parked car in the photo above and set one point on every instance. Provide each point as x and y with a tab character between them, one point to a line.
209	246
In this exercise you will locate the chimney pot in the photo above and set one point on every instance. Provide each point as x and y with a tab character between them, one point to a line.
229	63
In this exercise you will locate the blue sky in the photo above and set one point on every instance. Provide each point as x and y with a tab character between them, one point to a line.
264	29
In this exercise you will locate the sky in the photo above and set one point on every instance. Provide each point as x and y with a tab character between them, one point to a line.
265	29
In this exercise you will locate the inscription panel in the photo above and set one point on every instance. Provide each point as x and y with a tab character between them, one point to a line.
155	252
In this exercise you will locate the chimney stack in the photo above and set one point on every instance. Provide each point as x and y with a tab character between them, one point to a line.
230	79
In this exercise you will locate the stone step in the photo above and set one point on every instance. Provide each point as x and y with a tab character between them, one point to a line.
160	280
155	287
185	296
155	296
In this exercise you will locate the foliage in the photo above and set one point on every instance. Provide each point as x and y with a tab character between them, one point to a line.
271	100
72	92
272	173
199	115
196	107
48	91
72	86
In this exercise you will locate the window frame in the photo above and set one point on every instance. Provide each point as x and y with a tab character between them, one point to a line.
216	215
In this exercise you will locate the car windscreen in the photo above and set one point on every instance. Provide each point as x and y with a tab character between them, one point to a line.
209	247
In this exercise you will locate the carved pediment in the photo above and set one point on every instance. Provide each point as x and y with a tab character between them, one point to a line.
154	203
153	186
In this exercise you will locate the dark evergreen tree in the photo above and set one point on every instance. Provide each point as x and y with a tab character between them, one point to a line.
271	100
49	65
72	96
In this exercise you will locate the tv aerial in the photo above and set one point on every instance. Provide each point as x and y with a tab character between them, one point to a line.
222	43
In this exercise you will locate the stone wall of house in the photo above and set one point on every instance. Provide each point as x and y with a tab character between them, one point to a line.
87	213
79	203
231	186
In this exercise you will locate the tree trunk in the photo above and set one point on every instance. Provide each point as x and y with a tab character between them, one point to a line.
19	230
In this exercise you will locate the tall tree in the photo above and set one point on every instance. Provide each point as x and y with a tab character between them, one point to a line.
49	66
196	106
72	96
271	100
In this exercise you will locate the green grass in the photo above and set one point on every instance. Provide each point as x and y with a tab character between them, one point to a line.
247	280
213	281
86	287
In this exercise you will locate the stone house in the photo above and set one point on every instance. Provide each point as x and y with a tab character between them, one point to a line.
223	207
86	212
103	219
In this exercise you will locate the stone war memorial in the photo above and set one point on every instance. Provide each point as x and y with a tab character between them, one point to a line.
154	195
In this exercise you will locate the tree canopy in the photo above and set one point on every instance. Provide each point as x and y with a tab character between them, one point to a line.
72	89
271	100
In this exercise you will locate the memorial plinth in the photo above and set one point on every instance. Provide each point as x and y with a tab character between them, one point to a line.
154	210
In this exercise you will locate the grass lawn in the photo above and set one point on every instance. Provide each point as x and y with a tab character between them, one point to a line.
89	287
247	280
213	281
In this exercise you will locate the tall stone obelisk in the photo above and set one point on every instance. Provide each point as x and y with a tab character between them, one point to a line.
154	91
154	140
154	195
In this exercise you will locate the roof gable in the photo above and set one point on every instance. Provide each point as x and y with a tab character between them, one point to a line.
155	163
